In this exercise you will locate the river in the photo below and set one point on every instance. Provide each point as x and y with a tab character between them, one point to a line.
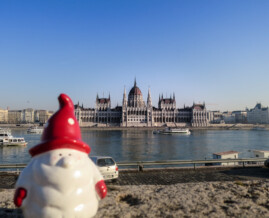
141	145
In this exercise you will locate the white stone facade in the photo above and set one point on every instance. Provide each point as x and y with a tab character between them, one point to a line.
28	115
3	116
15	116
134	112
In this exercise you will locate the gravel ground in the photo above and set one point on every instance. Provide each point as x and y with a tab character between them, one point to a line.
213	199
242	192
206	199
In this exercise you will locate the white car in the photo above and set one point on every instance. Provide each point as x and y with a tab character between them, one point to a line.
266	163
107	167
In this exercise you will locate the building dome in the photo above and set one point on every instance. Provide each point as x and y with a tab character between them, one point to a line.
135	98
135	91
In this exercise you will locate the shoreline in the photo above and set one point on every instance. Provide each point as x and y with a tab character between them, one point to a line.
238	126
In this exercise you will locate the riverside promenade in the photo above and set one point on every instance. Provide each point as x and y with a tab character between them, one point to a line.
203	192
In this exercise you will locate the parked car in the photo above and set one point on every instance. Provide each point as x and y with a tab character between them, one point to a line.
266	163
107	167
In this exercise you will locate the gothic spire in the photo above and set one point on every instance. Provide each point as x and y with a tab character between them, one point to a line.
149	102
124	101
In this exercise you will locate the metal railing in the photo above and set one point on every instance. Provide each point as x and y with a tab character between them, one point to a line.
12	166
140	164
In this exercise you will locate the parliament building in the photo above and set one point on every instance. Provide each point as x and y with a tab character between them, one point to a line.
135	112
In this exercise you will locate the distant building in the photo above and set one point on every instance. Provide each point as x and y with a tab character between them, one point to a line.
199	116
44	115
258	115
134	112
3	116
36	116
240	116
217	117
28	115
15	116
228	117
261	154
226	155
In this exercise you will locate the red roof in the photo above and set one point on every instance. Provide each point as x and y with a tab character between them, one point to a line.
168	101
135	91
198	107
103	100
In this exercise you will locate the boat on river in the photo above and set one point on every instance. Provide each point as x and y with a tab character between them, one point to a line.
6	139
34	130
184	131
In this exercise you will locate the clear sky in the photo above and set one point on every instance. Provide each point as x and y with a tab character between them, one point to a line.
209	51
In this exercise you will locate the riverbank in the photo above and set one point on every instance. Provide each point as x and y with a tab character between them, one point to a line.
238	126
210	199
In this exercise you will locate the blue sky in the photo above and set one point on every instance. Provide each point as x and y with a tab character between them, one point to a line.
209	51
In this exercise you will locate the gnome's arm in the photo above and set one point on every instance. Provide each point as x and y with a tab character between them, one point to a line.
100	186
101	189
20	194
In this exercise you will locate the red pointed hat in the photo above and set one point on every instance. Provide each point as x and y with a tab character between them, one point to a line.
61	131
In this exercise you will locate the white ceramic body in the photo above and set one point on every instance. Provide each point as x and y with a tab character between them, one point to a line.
60	183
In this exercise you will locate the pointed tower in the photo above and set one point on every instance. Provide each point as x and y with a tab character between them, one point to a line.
124	113
149	102
124	101
174	101
97	98
160	101
149	110
109	101
97	101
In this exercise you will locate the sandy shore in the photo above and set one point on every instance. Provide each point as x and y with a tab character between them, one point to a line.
207	199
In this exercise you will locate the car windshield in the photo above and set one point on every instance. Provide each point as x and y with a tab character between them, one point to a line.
105	162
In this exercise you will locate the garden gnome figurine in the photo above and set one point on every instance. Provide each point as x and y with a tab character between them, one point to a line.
60	180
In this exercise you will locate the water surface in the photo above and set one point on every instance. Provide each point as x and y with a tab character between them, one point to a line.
142	145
